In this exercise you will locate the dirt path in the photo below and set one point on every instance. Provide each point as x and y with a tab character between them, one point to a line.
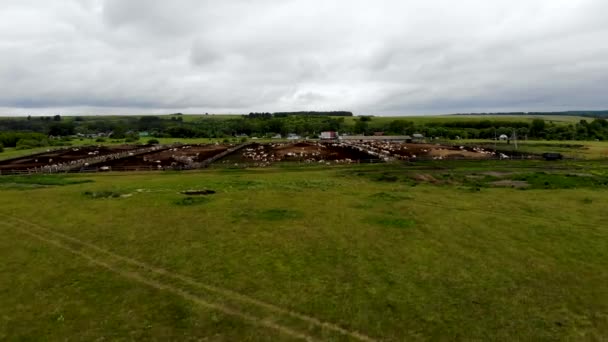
229	294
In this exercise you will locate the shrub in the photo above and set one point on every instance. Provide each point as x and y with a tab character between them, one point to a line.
100	140
153	142
24	144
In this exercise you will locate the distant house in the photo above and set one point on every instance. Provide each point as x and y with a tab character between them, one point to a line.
277	136
293	136
329	135
503	137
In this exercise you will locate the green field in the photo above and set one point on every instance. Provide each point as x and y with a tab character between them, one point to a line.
441	119
569	148
430	251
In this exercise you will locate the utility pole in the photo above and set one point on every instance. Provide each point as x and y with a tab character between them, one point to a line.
515	138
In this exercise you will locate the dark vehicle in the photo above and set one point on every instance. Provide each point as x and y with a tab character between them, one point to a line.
553	156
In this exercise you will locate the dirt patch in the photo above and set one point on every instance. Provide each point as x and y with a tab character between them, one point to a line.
444	153
198	192
506	183
411	151
426	178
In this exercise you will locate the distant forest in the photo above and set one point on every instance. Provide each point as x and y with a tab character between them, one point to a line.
284	114
586	113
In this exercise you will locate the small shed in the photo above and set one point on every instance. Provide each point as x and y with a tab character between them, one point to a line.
417	137
329	135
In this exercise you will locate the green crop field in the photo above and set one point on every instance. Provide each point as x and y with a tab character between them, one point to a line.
488	250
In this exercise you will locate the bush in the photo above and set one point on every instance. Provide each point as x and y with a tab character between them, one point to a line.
153	142
100	140
132	138
24	144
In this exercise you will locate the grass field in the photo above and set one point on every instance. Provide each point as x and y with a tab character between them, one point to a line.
569	148
382	252
440	119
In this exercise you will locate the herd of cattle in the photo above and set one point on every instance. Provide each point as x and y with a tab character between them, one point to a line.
100	158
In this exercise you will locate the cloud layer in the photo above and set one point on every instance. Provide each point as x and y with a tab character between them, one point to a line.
372	57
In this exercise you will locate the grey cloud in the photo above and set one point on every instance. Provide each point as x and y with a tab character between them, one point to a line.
375	57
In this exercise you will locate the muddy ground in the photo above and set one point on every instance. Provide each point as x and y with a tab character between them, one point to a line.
61	156
255	154
305	152
408	151
172	158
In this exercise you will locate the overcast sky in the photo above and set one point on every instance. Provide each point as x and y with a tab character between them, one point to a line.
237	56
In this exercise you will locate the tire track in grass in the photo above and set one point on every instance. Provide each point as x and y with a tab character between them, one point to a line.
231	294
164	287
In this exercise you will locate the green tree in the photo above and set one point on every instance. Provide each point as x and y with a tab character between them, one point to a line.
538	127
361	127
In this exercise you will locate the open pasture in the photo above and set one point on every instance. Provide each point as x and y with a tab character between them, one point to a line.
433	250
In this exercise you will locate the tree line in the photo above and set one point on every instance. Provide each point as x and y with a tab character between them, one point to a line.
41	132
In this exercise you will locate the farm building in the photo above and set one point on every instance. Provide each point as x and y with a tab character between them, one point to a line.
390	138
329	135
503	137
